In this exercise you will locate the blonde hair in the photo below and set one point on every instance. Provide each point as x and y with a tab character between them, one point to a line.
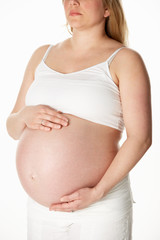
115	25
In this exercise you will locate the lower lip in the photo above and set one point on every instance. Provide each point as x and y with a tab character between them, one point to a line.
74	14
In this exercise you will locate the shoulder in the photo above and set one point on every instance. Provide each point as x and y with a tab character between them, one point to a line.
40	51
131	70
128	62
128	58
130	54
36	57
124	55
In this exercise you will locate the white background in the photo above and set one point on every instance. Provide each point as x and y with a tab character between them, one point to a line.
26	25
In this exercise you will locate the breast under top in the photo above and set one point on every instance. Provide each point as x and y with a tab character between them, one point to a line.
90	93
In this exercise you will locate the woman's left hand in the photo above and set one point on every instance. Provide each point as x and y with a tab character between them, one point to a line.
80	199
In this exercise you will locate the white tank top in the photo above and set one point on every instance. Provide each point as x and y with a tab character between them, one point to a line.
90	93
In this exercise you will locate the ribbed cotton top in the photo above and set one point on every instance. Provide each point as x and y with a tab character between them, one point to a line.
90	93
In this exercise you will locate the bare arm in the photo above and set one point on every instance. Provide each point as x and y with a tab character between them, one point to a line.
15	124
134	87
31	116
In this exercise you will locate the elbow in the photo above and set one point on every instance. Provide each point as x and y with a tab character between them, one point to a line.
12	136
144	142
148	142
10	131
148	139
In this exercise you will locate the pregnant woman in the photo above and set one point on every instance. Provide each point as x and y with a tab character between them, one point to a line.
74	102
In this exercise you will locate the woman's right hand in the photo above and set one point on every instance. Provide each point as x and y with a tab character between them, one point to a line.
42	117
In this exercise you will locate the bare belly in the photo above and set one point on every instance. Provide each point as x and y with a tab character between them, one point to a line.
56	163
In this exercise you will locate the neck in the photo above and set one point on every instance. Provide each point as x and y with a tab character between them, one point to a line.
85	41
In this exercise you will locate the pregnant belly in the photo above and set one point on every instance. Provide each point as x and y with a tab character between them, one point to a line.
53	164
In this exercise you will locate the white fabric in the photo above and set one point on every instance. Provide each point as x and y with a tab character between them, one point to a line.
90	94
108	219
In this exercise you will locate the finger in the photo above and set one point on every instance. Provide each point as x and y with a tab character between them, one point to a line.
40	127
74	205
54	119
66	205
71	197
44	128
49	124
51	111
60	206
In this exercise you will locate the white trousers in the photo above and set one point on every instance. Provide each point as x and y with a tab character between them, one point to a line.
107	219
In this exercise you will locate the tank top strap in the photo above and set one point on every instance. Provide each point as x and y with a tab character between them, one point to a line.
46	53
113	55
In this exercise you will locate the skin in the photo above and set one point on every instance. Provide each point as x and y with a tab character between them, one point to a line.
134	89
135	93
88	27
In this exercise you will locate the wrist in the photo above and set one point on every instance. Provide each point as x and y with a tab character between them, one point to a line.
21	125
20	115
99	193
15	125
